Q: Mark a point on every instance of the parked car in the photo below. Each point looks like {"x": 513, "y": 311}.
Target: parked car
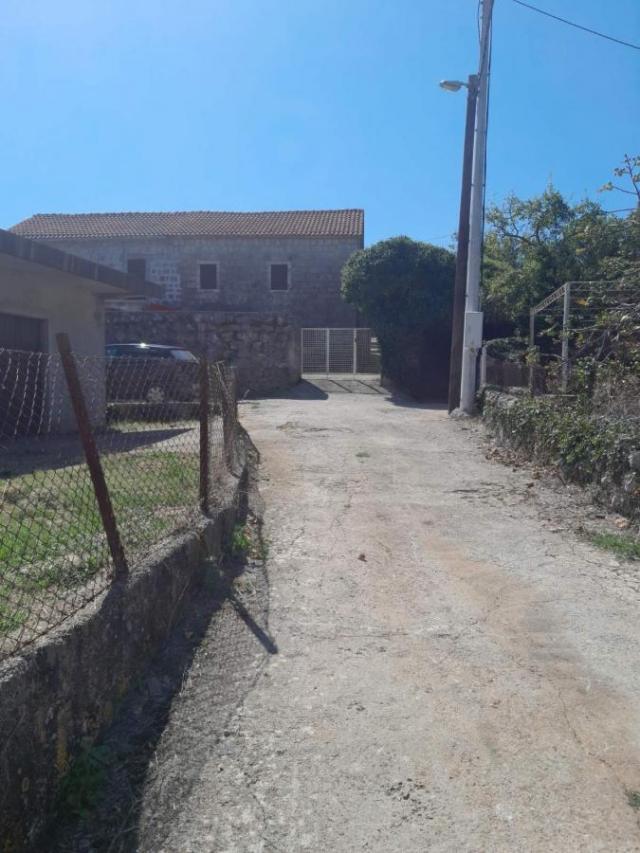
{"x": 154, "y": 373}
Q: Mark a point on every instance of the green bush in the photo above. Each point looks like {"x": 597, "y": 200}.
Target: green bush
{"x": 404, "y": 289}
{"x": 585, "y": 447}
{"x": 508, "y": 349}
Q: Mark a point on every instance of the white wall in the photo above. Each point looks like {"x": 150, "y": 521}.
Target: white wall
{"x": 66, "y": 307}
{"x": 70, "y": 308}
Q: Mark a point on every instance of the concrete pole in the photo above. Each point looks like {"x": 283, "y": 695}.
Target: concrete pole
{"x": 473, "y": 315}
{"x": 460, "y": 285}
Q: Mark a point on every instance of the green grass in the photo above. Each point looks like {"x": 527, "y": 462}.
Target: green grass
{"x": 50, "y": 529}
{"x": 624, "y": 546}
{"x": 246, "y": 540}
{"x": 240, "y": 541}
{"x": 84, "y": 781}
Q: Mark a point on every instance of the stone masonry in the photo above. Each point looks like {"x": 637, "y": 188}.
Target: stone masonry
{"x": 314, "y": 245}
{"x": 263, "y": 348}
{"x": 313, "y": 298}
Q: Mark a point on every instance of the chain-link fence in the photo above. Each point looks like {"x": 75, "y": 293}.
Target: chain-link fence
{"x": 101, "y": 461}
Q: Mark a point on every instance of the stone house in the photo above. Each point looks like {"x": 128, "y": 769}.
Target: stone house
{"x": 284, "y": 263}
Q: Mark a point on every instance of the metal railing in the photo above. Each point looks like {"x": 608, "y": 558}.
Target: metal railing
{"x": 101, "y": 461}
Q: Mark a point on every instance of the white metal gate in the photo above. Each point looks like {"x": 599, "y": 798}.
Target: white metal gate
{"x": 340, "y": 351}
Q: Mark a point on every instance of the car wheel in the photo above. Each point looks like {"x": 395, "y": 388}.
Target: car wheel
{"x": 156, "y": 394}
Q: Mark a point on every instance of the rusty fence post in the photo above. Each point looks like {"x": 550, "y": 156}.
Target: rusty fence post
{"x": 227, "y": 378}
{"x": 92, "y": 456}
{"x": 204, "y": 435}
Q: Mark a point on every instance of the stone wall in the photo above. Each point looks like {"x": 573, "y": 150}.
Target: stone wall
{"x": 599, "y": 453}
{"x": 263, "y": 349}
{"x": 315, "y": 264}
{"x": 58, "y": 696}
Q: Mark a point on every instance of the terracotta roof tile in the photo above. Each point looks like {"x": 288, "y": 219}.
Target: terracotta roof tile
{"x": 205, "y": 223}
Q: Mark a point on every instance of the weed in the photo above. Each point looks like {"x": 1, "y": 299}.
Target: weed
{"x": 633, "y": 798}
{"x": 81, "y": 787}
{"x": 247, "y": 542}
{"x": 240, "y": 541}
{"x": 627, "y": 547}
{"x": 10, "y": 619}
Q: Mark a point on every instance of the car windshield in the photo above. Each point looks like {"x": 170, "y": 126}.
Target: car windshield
{"x": 183, "y": 355}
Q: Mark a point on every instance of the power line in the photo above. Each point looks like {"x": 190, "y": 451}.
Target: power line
{"x": 577, "y": 26}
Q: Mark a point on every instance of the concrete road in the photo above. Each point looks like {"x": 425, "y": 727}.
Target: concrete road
{"x": 454, "y": 671}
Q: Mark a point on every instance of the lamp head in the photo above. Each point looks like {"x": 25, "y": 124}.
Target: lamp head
{"x": 452, "y": 85}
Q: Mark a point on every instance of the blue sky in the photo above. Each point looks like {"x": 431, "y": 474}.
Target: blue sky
{"x": 255, "y": 105}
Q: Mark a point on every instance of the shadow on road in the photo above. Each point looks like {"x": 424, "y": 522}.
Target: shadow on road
{"x": 406, "y": 402}
{"x": 322, "y": 387}
{"x": 303, "y": 390}
{"x": 219, "y": 649}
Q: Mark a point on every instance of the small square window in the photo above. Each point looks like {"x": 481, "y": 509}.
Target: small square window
{"x": 279, "y": 276}
{"x": 137, "y": 267}
{"x": 208, "y": 276}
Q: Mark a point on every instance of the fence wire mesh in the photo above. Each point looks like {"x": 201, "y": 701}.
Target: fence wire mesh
{"x": 146, "y": 420}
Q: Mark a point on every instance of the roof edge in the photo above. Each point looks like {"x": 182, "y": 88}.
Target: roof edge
{"x": 79, "y": 238}
{"x": 36, "y": 252}
{"x": 307, "y": 223}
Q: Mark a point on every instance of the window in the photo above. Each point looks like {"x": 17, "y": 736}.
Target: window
{"x": 137, "y": 267}
{"x": 208, "y": 276}
{"x": 279, "y": 276}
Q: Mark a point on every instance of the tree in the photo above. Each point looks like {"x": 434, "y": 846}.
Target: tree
{"x": 404, "y": 289}
{"x": 630, "y": 170}
{"x": 625, "y": 263}
{"x": 535, "y": 245}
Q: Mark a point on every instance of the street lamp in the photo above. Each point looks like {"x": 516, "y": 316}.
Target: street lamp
{"x": 453, "y": 85}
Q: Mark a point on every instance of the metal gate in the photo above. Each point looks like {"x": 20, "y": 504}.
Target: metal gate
{"x": 340, "y": 352}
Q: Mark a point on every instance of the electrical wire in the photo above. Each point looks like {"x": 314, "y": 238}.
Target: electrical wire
{"x": 577, "y": 26}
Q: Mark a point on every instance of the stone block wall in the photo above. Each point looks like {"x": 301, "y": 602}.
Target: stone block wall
{"x": 315, "y": 264}
{"x": 263, "y": 348}
{"x": 599, "y": 453}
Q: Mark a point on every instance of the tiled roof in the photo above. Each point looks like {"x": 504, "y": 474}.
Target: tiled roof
{"x": 294, "y": 223}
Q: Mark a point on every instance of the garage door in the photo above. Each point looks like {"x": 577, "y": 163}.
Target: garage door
{"x": 25, "y": 333}
{"x": 22, "y": 375}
